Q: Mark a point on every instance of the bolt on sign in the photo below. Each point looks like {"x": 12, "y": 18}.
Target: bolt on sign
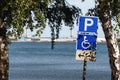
{"x": 86, "y": 40}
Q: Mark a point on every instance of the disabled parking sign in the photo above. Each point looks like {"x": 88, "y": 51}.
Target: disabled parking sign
{"x": 86, "y": 41}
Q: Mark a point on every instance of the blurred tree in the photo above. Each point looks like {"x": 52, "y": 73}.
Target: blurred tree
{"x": 16, "y": 15}
{"x": 109, "y": 11}
{"x": 61, "y": 12}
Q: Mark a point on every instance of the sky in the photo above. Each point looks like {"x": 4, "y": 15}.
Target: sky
{"x": 65, "y": 32}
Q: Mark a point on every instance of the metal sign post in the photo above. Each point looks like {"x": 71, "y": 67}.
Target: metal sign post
{"x": 86, "y": 41}
{"x": 84, "y": 69}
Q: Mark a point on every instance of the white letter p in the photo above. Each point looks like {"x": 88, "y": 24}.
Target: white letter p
{"x": 88, "y": 23}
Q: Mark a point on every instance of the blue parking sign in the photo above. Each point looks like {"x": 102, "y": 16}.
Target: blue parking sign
{"x": 88, "y": 24}
{"x": 86, "y": 42}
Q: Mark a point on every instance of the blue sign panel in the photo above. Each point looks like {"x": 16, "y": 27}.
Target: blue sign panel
{"x": 88, "y": 24}
{"x": 86, "y": 42}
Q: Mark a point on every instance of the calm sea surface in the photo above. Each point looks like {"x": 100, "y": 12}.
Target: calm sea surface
{"x": 36, "y": 61}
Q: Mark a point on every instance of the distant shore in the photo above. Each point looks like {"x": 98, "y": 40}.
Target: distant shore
{"x": 57, "y": 40}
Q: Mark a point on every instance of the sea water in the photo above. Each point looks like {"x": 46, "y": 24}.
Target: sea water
{"x": 37, "y": 61}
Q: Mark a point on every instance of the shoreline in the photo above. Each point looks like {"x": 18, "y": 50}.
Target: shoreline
{"x": 56, "y": 40}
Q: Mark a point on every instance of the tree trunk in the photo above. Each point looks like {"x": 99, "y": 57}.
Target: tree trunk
{"x": 4, "y": 61}
{"x": 111, "y": 40}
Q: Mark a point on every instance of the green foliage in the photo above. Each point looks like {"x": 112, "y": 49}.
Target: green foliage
{"x": 118, "y": 41}
{"x": 58, "y": 13}
{"x": 115, "y": 9}
{"x": 23, "y": 13}
{"x": 61, "y": 11}
{"x": 33, "y": 14}
{"x": 118, "y": 18}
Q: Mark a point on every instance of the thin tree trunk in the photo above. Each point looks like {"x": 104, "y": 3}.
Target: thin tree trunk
{"x": 111, "y": 40}
{"x": 4, "y": 61}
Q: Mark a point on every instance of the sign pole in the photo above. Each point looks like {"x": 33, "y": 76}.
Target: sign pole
{"x": 84, "y": 69}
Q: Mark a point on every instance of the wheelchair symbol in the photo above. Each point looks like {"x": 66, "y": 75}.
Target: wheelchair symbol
{"x": 85, "y": 44}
